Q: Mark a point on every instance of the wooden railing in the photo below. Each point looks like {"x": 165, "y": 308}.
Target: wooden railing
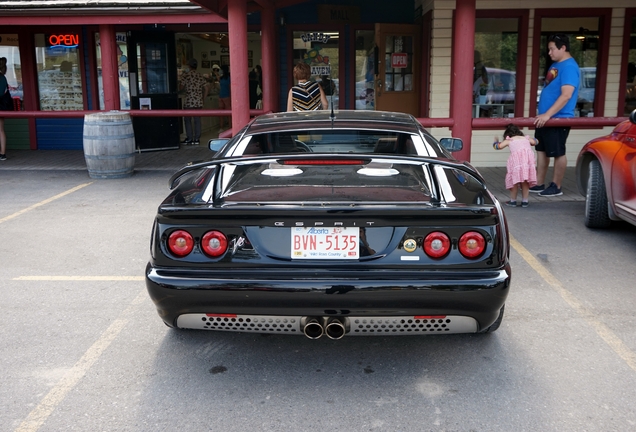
{"x": 501, "y": 123}
{"x": 133, "y": 113}
{"x": 477, "y": 123}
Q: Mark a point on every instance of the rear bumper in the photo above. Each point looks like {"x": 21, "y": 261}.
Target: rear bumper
{"x": 373, "y": 294}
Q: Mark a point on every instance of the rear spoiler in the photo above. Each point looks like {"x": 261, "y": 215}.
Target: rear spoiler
{"x": 307, "y": 158}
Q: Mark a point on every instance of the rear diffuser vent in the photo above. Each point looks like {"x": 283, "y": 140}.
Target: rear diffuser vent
{"x": 252, "y": 324}
{"x": 396, "y": 325}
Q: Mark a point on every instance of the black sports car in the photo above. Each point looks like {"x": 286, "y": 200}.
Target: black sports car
{"x": 344, "y": 223}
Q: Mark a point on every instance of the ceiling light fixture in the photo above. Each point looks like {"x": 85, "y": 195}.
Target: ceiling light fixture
{"x": 581, "y": 34}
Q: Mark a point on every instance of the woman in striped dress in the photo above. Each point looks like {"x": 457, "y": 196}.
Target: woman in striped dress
{"x": 306, "y": 95}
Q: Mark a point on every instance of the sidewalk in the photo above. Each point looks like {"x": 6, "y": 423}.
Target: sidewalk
{"x": 172, "y": 160}
{"x": 70, "y": 160}
{"x": 495, "y": 179}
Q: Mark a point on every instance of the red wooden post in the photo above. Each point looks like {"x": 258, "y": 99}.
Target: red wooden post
{"x": 110, "y": 74}
{"x": 237, "y": 32}
{"x": 462, "y": 74}
{"x": 270, "y": 68}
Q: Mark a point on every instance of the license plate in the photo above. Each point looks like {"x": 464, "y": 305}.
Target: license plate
{"x": 325, "y": 243}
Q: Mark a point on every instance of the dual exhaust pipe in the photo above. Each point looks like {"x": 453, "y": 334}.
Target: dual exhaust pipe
{"x": 315, "y": 327}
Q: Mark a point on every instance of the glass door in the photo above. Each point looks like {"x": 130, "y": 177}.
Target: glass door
{"x": 320, "y": 50}
{"x": 153, "y": 86}
{"x": 398, "y": 61}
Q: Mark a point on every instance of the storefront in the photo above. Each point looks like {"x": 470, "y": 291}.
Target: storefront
{"x": 460, "y": 68}
{"x": 63, "y": 67}
{"x": 346, "y": 61}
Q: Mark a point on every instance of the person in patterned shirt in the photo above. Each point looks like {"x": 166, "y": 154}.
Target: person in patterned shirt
{"x": 196, "y": 89}
{"x": 306, "y": 95}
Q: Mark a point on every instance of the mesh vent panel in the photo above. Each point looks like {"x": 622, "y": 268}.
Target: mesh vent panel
{"x": 400, "y": 325}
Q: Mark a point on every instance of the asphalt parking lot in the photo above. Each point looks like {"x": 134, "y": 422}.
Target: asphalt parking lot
{"x": 82, "y": 347}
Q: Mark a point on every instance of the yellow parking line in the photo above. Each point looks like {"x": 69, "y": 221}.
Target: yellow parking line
{"x": 79, "y": 278}
{"x": 56, "y": 395}
{"x": 46, "y": 201}
{"x": 615, "y": 343}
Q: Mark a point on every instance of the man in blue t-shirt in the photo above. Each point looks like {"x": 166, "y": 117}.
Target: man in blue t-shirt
{"x": 558, "y": 100}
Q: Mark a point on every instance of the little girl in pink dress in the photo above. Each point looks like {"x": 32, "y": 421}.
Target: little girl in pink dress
{"x": 521, "y": 165}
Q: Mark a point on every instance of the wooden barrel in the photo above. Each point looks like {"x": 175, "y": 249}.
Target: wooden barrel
{"x": 109, "y": 145}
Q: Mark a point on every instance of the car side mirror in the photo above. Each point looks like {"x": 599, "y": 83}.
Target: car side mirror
{"x": 452, "y": 144}
{"x": 215, "y": 144}
{"x": 632, "y": 117}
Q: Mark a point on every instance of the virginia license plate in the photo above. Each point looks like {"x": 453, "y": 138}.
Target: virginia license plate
{"x": 325, "y": 243}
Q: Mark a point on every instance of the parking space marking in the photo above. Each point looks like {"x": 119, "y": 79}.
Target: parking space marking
{"x": 80, "y": 278}
{"x": 41, "y": 203}
{"x": 615, "y": 343}
{"x": 56, "y": 395}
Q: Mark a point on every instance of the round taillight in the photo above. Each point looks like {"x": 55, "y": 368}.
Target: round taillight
{"x": 180, "y": 243}
{"x": 472, "y": 244}
{"x": 436, "y": 244}
{"x": 214, "y": 243}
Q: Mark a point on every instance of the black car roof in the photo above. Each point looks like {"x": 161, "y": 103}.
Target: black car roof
{"x": 342, "y": 119}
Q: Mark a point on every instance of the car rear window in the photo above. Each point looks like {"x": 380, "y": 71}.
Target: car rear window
{"x": 377, "y": 181}
{"x": 331, "y": 141}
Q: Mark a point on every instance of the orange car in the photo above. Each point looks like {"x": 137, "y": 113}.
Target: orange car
{"x": 606, "y": 176}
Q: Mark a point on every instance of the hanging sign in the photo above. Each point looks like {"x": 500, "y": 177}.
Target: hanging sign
{"x": 399, "y": 60}
{"x": 315, "y": 37}
{"x": 62, "y": 41}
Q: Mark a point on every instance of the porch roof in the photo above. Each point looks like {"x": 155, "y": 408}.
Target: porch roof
{"x": 131, "y": 7}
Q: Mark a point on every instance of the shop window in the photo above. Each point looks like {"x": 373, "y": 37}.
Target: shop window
{"x": 584, "y": 49}
{"x": 122, "y": 70}
{"x": 365, "y": 73}
{"x": 58, "y": 68}
{"x": 320, "y": 50}
{"x": 9, "y": 50}
{"x": 630, "y": 85}
{"x": 495, "y": 67}
{"x": 587, "y": 41}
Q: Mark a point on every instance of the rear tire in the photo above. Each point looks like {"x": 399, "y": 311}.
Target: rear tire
{"x": 494, "y": 326}
{"x": 596, "y": 211}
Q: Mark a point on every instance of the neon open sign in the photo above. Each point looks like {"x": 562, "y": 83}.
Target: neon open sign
{"x": 63, "y": 40}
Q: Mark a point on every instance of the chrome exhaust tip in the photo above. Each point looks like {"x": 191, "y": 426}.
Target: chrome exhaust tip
{"x": 335, "y": 328}
{"x": 312, "y": 327}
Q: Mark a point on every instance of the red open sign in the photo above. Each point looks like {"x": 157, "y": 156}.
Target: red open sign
{"x": 66, "y": 40}
{"x": 399, "y": 60}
